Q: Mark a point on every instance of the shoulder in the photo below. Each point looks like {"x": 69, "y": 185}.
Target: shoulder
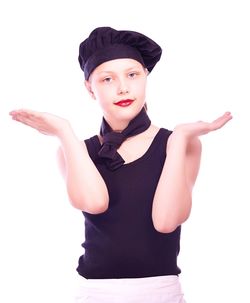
{"x": 92, "y": 138}
{"x": 152, "y": 131}
{"x": 155, "y": 130}
{"x": 160, "y": 135}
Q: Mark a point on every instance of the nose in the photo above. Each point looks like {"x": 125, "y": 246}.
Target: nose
{"x": 123, "y": 91}
{"x": 123, "y": 88}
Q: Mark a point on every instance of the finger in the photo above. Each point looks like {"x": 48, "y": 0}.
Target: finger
{"x": 226, "y": 117}
{"x": 24, "y": 113}
{"x": 221, "y": 121}
{"x": 23, "y": 120}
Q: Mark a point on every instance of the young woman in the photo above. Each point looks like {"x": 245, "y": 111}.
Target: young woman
{"x": 133, "y": 182}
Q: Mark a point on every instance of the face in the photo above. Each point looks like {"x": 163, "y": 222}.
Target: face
{"x": 120, "y": 87}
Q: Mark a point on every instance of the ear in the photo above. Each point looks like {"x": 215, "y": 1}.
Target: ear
{"x": 89, "y": 89}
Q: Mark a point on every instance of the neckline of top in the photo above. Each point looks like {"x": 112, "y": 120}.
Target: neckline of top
{"x": 98, "y": 145}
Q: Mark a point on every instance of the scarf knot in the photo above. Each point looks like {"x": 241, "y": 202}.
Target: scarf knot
{"x": 112, "y": 140}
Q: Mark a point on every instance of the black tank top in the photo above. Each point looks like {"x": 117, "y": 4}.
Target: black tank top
{"x": 122, "y": 242}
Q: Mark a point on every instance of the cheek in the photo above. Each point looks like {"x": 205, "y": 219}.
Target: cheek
{"x": 103, "y": 94}
{"x": 140, "y": 89}
{"x": 105, "y": 97}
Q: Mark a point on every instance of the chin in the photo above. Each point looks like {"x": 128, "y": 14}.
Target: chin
{"x": 129, "y": 113}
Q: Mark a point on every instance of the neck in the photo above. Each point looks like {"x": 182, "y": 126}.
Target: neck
{"x": 117, "y": 125}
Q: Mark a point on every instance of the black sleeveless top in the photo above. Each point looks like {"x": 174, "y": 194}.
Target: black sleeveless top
{"x": 122, "y": 242}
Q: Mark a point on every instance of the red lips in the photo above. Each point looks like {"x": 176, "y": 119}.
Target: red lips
{"x": 124, "y": 103}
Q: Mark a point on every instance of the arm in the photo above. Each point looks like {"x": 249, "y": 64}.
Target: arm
{"x": 173, "y": 197}
{"x": 85, "y": 186}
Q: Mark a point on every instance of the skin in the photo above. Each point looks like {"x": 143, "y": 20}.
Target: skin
{"x": 109, "y": 83}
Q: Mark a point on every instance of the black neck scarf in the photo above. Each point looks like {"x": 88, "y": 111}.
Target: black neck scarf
{"x": 112, "y": 140}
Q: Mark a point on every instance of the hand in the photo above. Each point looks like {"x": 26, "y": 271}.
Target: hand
{"x": 190, "y": 130}
{"x": 45, "y": 123}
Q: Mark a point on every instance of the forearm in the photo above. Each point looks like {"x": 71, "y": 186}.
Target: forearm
{"x": 86, "y": 188}
{"x": 173, "y": 196}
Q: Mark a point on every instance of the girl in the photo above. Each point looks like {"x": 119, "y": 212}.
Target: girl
{"x": 133, "y": 182}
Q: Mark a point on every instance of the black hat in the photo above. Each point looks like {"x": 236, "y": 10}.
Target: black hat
{"x": 106, "y": 43}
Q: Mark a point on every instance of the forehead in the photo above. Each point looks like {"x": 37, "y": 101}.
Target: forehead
{"x": 117, "y": 65}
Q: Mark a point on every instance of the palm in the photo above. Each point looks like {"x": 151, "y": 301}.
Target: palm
{"x": 45, "y": 123}
{"x": 201, "y": 128}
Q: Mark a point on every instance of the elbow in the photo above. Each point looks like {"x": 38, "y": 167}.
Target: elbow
{"x": 96, "y": 208}
{"x": 166, "y": 227}
{"x": 89, "y": 201}
{"x": 93, "y": 208}
{"x": 168, "y": 224}
{"x": 168, "y": 219}
{"x": 90, "y": 206}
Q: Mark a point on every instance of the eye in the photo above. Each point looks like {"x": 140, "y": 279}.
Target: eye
{"x": 132, "y": 75}
{"x": 107, "y": 79}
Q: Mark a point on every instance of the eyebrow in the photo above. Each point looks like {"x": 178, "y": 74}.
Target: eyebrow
{"x": 126, "y": 70}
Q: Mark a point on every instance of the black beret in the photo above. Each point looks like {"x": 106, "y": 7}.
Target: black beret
{"x": 106, "y": 43}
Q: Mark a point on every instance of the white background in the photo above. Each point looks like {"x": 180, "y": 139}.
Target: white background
{"x": 204, "y": 71}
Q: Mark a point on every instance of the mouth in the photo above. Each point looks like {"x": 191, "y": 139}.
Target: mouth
{"x": 124, "y": 103}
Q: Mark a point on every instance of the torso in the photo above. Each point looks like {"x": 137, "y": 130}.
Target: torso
{"x": 122, "y": 241}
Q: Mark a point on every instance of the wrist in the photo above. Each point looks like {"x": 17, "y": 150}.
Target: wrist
{"x": 180, "y": 136}
{"x": 65, "y": 132}
{"x": 185, "y": 132}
